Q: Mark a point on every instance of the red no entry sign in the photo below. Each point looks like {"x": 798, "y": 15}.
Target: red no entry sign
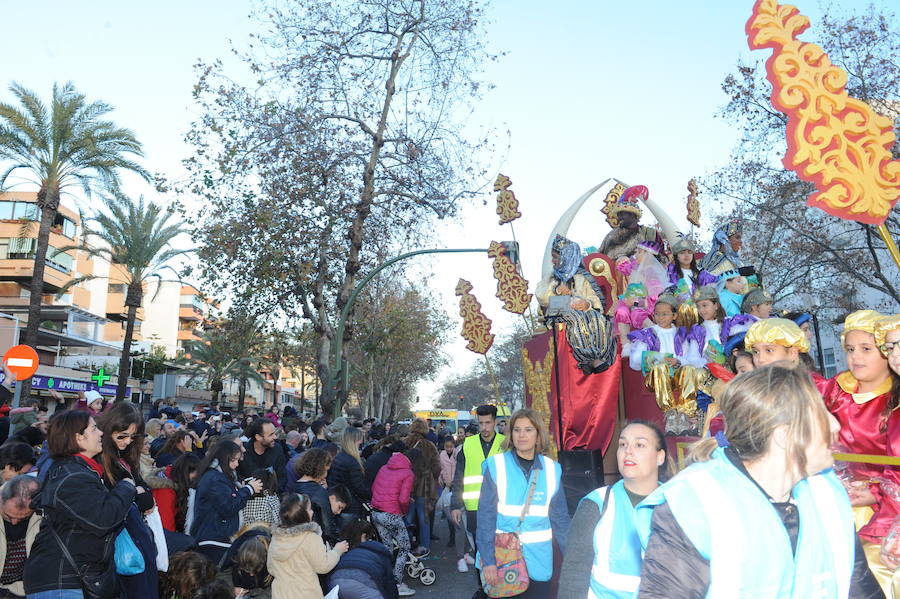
{"x": 22, "y": 361}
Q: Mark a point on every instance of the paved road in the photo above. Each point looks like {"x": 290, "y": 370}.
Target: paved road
{"x": 450, "y": 584}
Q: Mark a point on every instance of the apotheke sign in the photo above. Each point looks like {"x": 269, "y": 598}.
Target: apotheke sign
{"x": 72, "y": 385}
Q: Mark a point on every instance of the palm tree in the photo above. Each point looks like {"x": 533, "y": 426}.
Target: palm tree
{"x": 208, "y": 357}
{"x": 136, "y": 237}
{"x": 243, "y": 370}
{"x": 55, "y": 148}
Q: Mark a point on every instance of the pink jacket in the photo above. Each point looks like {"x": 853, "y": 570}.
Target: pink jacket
{"x": 393, "y": 486}
{"x": 448, "y": 467}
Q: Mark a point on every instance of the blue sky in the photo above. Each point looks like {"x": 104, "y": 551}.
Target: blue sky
{"x": 587, "y": 90}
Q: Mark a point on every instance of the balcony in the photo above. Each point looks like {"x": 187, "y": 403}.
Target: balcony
{"x": 189, "y": 313}
{"x": 189, "y": 334}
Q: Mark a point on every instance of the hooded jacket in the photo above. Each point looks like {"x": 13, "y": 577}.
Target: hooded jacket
{"x": 374, "y": 559}
{"x": 393, "y": 486}
{"x": 217, "y": 507}
{"x": 297, "y": 555}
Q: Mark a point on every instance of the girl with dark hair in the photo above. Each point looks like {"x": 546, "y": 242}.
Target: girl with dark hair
{"x": 423, "y": 501}
{"x": 179, "y": 443}
{"x": 603, "y": 557}
{"x": 220, "y": 499}
{"x": 123, "y": 437}
{"x": 297, "y": 554}
{"x": 15, "y": 459}
{"x": 366, "y": 570}
{"x": 176, "y": 502}
{"x": 264, "y": 505}
{"x": 188, "y": 572}
{"x": 247, "y": 557}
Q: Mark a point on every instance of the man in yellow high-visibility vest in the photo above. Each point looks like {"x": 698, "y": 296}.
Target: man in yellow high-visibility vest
{"x": 467, "y": 477}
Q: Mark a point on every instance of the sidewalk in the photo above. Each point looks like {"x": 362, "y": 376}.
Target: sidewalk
{"x": 449, "y": 584}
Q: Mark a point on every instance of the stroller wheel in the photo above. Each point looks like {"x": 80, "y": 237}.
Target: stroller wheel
{"x": 414, "y": 569}
{"x": 427, "y": 577}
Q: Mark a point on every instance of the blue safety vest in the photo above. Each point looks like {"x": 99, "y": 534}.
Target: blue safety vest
{"x": 616, "y": 573}
{"x": 535, "y": 535}
{"x": 733, "y": 525}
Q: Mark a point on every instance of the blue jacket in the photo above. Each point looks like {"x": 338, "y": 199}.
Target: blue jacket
{"x": 557, "y": 512}
{"x": 217, "y": 507}
{"x": 374, "y": 559}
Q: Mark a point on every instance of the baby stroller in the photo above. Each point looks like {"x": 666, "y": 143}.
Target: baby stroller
{"x": 414, "y": 566}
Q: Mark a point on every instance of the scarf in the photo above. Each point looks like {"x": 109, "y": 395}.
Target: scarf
{"x": 91, "y": 463}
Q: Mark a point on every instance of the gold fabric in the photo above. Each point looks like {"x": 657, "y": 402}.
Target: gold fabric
{"x": 885, "y": 326}
{"x": 848, "y": 383}
{"x": 689, "y": 380}
{"x": 660, "y": 380}
{"x": 861, "y": 320}
{"x": 888, "y": 579}
{"x": 779, "y": 331}
{"x": 687, "y": 315}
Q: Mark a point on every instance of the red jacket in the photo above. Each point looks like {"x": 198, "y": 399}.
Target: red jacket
{"x": 393, "y": 486}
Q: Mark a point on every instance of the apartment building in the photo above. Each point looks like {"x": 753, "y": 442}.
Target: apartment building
{"x": 82, "y": 329}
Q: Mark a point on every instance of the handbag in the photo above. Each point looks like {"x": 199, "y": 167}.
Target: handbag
{"x": 129, "y": 560}
{"x": 95, "y": 586}
{"x": 511, "y": 566}
{"x": 154, "y": 523}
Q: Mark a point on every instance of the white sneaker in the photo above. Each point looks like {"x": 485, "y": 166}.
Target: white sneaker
{"x": 470, "y": 560}
{"x": 404, "y": 591}
{"x": 461, "y": 565}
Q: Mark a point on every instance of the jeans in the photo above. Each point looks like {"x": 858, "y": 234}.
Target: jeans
{"x": 418, "y": 516}
{"x": 58, "y": 594}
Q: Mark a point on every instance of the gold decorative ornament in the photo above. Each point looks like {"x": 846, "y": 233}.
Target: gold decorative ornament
{"x": 537, "y": 382}
{"x": 834, "y": 141}
{"x": 693, "y": 204}
{"x": 476, "y": 326}
{"x": 507, "y": 204}
{"x": 611, "y": 198}
{"x": 511, "y": 287}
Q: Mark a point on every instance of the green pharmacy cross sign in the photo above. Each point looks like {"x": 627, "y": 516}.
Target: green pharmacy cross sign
{"x": 101, "y": 378}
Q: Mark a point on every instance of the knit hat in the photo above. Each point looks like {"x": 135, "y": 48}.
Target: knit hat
{"x": 861, "y": 320}
{"x": 779, "y": 331}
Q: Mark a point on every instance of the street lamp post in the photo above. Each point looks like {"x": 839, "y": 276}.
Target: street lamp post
{"x": 340, "y": 376}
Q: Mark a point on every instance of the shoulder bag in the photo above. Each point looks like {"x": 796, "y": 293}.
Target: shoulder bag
{"x": 95, "y": 586}
{"x": 508, "y": 555}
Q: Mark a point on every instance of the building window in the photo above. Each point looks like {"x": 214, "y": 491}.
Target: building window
{"x": 829, "y": 368}
{"x": 25, "y": 211}
{"x": 64, "y": 225}
{"x": 116, "y": 288}
{"x": 59, "y": 260}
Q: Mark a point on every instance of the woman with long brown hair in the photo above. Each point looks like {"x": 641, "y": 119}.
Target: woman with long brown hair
{"x": 763, "y": 517}
{"x": 522, "y": 480}
{"x": 122, "y": 426}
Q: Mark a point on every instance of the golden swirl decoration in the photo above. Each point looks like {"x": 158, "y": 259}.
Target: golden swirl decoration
{"x": 836, "y": 142}
{"x": 511, "y": 287}
{"x": 611, "y": 198}
{"x": 537, "y": 382}
{"x": 507, "y": 204}
{"x": 693, "y": 204}
{"x": 476, "y": 326}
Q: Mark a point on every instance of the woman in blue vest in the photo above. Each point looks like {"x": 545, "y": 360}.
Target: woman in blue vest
{"x": 603, "y": 557}
{"x": 765, "y": 516}
{"x": 504, "y": 492}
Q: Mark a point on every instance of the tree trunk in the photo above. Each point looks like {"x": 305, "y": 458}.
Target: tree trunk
{"x": 132, "y": 301}
{"x": 242, "y": 394}
{"x": 48, "y": 202}
{"x": 216, "y": 388}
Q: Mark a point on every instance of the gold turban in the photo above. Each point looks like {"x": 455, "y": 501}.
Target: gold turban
{"x": 861, "y": 320}
{"x": 779, "y": 331}
{"x": 885, "y": 326}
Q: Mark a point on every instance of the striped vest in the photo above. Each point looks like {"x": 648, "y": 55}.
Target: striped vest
{"x": 472, "y": 474}
{"x": 733, "y": 525}
{"x": 616, "y": 573}
{"x": 536, "y": 535}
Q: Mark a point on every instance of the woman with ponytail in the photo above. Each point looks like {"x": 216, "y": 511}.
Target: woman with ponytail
{"x": 603, "y": 557}
{"x": 765, "y": 516}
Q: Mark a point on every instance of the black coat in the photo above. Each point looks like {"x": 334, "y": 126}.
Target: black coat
{"x": 86, "y": 515}
{"x": 346, "y": 471}
{"x": 273, "y": 458}
{"x": 375, "y": 462}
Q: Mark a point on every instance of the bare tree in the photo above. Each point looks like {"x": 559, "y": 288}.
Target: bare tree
{"x": 804, "y": 254}
{"x": 352, "y": 134}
